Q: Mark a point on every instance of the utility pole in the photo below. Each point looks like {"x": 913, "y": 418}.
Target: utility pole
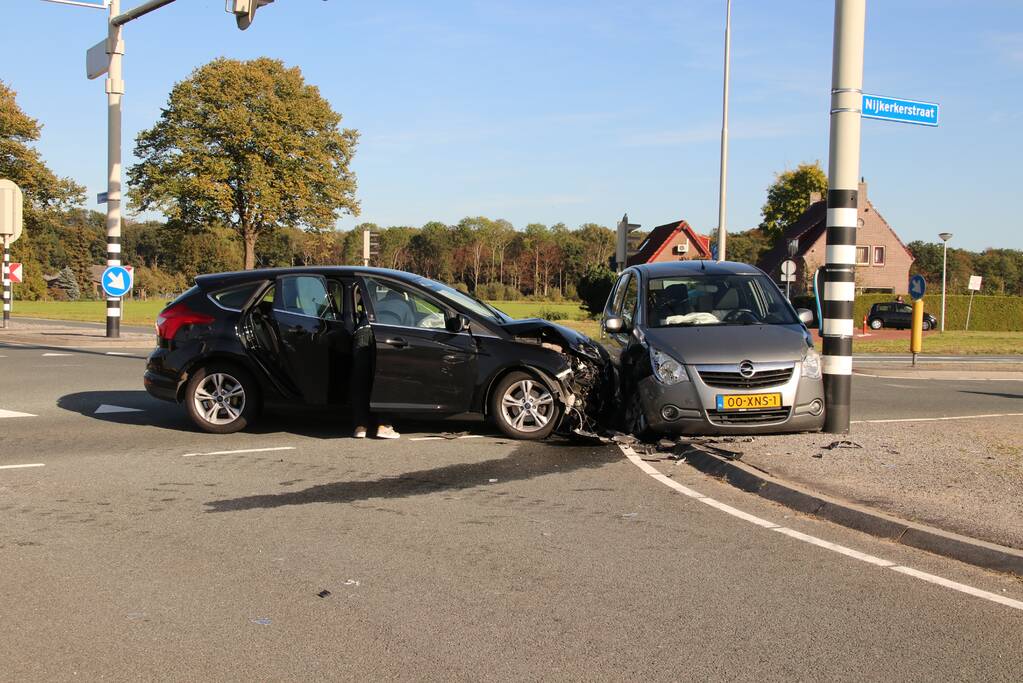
{"x": 945, "y": 237}
{"x": 843, "y": 177}
{"x": 723, "y": 183}
{"x": 115, "y": 93}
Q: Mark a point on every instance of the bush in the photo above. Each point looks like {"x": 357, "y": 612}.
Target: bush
{"x": 594, "y": 287}
{"x": 550, "y": 313}
{"x": 990, "y": 313}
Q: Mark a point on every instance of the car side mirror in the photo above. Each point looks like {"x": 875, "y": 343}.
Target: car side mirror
{"x": 455, "y": 323}
{"x": 805, "y": 315}
{"x": 614, "y": 324}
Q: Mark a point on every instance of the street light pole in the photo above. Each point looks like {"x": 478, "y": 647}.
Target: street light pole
{"x": 843, "y": 211}
{"x": 115, "y": 93}
{"x": 945, "y": 237}
{"x": 723, "y": 184}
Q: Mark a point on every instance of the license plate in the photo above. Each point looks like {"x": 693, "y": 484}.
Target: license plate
{"x": 748, "y": 401}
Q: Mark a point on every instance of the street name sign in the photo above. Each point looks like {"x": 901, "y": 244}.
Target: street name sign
{"x": 116, "y": 281}
{"x": 899, "y": 110}
{"x": 917, "y": 287}
{"x": 15, "y": 274}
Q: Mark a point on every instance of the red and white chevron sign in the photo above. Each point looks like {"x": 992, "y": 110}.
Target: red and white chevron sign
{"x": 15, "y": 273}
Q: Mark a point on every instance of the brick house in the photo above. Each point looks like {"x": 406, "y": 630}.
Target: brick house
{"x": 676, "y": 241}
{"x": 882, "y": 260}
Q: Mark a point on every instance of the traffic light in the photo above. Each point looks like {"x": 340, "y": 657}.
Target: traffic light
{"x": 626, "y": 245}
{"x": 244, "y": 11}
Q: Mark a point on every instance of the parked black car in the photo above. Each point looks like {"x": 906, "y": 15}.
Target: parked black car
{"x": 897, "y": 315}
{"x": 237, "y": 341}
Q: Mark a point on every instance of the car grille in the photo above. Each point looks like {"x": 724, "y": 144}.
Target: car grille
{"x": 748, "y": 417}
{"x": 733, "y": 380}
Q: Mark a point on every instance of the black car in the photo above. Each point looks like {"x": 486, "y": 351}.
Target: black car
{"x": 237, "y": 341}
{"x": 897, "y": 315}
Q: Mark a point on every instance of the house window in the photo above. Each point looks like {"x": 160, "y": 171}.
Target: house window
{"x": 862, "y": 256}
{"x": 878, "y": 256}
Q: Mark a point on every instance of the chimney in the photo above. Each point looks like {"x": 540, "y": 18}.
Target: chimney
{"x": 814, "y": 198}
{"x": 861, "y": 194}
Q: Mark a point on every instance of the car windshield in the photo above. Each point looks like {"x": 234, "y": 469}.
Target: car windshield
{"x": 716, "y": 300}
{"x": 453, "y": 296}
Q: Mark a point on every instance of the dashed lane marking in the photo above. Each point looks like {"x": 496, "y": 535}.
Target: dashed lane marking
{"x": 654, "y": 473}
{"x": 444, "y": 438}
{"x": 935, "y": 419}
{"x": 51, "y": 355}
{"x": 14, "y": 413}
{"x": 19, "y": 467}
{"x": 242, "y": 450}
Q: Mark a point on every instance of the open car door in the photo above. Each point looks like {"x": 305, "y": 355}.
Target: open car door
{"x": 304, "y": 316}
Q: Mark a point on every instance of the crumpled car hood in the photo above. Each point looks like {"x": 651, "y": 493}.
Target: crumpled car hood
{"x": 729, "y": 344}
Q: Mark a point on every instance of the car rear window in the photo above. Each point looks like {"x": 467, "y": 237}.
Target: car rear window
{"x": 235, "y": 298}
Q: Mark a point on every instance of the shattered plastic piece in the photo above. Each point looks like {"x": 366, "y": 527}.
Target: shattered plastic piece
{"x": 492, "y": 481}
{"x": 351, "y": 582}
{"x": 262, "y": 621}
{"x": 324, "y": 593}
{"x": 844, "y": 443}
{"x": 452, "y": 435}
{"x": 818, "y": 455}
{"x": 630, "y": 514}
{"x": 665, "y": 445}
{"x": 627, "y": 439}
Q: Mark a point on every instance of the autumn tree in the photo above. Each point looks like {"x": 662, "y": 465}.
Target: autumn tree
{"x": 246, "y": 145}
{"x": 789, "y": 196}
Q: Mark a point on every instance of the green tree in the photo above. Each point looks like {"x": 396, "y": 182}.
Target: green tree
{"x": 595, "y": 286}
{"x": 789, "y": 196}
{"x": 247, "y": 145}
{"x": 747, "y": 246}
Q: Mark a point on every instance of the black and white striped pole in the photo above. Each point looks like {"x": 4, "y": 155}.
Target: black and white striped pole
{"x": 11, "y": 223}
{"x": 843, "y": 183}
{"x": 7, "y": 283}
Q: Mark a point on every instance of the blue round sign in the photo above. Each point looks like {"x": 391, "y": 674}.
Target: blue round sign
{"x": 116, "y": 281}
{"x": 917, "y": 287}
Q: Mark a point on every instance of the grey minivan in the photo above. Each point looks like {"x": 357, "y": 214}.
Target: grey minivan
{"x": 707, "y": 347}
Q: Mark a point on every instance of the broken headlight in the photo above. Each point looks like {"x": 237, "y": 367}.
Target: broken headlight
{"x": 666, "y": 369}
{"x": 812, "y": 364}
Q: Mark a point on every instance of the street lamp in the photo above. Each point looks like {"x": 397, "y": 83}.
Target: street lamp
{"x": 945, "y": 237}
{"x": 723, "y": 182}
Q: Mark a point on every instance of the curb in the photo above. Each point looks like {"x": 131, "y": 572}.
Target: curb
{"x": 85, "y": 344}
{"x": 922, "y": 537}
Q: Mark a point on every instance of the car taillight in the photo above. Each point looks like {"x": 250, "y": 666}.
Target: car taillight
{"x": 174, "y": 318}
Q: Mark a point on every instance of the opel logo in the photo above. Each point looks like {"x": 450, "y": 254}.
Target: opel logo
{"x": 746, "y": 369}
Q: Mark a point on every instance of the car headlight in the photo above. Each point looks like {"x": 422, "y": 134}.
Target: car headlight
{"x": 812, "y": 364}
{"x": 666, "y": 369}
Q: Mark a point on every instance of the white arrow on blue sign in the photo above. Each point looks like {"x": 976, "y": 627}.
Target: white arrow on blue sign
{"x": 899, "y": 110}
{"x": 116, "y": 281}
{"x": 917, "y": 287}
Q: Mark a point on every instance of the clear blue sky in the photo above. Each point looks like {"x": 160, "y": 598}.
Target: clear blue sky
{"x": 578, "y": 111}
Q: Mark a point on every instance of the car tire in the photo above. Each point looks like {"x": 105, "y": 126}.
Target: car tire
{"x": 519, "y": 417}
{"x": 222, "y": 399}
{"x": 876, "y": 324}
{"x": 926, "y": 325}
{"x": 635, "y": 418}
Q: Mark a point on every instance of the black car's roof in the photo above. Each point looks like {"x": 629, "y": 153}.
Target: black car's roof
{"x": 212, "y": 280}
{"x": 695, "y": 267}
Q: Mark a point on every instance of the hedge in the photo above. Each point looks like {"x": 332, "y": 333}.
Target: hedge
{"x": 990, "y": 313}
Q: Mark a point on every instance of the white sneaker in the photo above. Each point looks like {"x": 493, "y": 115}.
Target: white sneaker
{"x": 359, "y": 433}
{"x": 386, "y": 432}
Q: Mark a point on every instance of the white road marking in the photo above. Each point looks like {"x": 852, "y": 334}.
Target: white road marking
{"x": 242, "y": 450}
{"x": 444, "y": 438}
{"x": 819, "y": 542}
{"x": 901, "y": 386}
{"x": 107, "y": 408}
{"x": 117, "y": 353}
{"x": 858, "y": 373}
{"x": 18, "y": 467}
{"x": 14, "y": 413}
{"x": 50, "y": 355}
{"x": 935, "y": 419}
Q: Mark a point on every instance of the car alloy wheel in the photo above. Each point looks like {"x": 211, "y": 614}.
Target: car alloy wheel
{"x": 221, "y": 399}
{"x": 524, "y": 407}
{"x": 926, "y": 325}
{"x": 875, "y": 324}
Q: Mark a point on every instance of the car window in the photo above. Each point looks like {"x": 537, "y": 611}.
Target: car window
{"x": 337, "y": 297}
{"x": 630, "y": 301}
{"x": 236, "y": 297}
{"x": 396, "y": 305}
{"x": 904, "y": 308}
{"x": 746, "y": 299}
{"x": 304, "y": 295}
{"x": 619, "y": 294}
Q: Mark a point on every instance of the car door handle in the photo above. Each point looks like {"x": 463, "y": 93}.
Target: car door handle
{"x": 396, "y": 342}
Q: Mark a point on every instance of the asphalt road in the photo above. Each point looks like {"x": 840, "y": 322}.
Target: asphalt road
{"x": 136, "y": 552}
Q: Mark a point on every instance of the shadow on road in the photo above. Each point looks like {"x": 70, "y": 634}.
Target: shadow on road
{"x": 527, "y": 461}
{"x": 316, "y": 423}
{"x": 992, "y": 393}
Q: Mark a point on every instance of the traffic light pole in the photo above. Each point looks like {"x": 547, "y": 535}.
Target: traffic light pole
{"x": 115, "y": 93}
{"x": 843, "y": 175}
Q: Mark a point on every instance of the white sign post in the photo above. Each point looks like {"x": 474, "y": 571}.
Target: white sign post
{"x": 974, "y": 287}
{"x": 11, "y": 205}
